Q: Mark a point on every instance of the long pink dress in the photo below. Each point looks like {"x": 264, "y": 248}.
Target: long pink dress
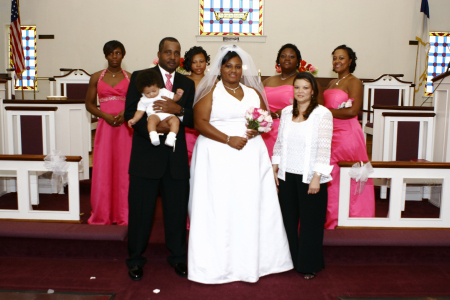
{"x": 278, "y": 97}
{"x": 191, "y": 137}
{"x": 112, "y": 150}
{"x": 348, "y": 144}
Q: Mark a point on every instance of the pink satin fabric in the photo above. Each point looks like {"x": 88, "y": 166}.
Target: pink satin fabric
{"x": 348, "y": 144}
{"x": 112, "y": 150}
{"x": 191, "y": 138}
{"x": 278, "y": 98}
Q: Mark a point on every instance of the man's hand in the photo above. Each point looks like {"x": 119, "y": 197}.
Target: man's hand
{"x": 163, "y": 126}
{"x": 169, "y": 106}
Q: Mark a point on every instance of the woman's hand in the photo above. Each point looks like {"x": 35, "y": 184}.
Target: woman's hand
{"x": 276, "y": 114}
{"x": 237, "y": 142}
{"x": 251, "y": 133}
{"x": 111, "y": 120}
{"x": 275, "y": 175}
{"x": 119, "y": 118}
{"x": 314, "y": 185}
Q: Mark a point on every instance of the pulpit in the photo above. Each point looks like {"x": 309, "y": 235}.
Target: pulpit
{"x": 441, "y": 85}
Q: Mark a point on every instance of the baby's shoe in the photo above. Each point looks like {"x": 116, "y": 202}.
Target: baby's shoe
{"x": 170, "y": 140}
{"x": 154, "y": 137}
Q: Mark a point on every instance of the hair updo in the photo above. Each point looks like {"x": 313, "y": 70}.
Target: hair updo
{"x": 187, "y": 64}
{"x": 351, "y": 55}
{"x": 290, "y": 46}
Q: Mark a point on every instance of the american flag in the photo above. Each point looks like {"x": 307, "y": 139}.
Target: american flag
{"x": 16, "y": 39}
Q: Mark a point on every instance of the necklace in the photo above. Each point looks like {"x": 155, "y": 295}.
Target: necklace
{"x": 337, "y": 83}
{"x": 113, "y": 74}
{"x": 234, "y": 90}
{"x": 281, "y": 77}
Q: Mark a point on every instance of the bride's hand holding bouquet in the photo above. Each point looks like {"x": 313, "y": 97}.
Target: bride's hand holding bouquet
{"x": 258, "y": 121}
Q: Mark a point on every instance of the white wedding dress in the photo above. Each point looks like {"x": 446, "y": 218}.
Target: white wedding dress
{"x": 236, "y": 227}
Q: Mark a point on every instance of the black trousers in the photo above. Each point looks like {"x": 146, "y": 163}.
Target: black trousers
{"x": 311, "y": 209}
{"x": 142, "y": 196}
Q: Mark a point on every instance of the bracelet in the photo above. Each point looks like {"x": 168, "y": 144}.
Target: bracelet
{"x": 278, "y": 116}
{"x": 228, "y": 139}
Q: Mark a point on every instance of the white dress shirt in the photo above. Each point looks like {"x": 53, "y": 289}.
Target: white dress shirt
{"x": 164, "y": 72}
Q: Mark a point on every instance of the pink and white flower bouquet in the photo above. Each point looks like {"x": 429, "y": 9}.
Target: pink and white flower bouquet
{"x": 346, "y": 104}
{"x": 258, "y": 119}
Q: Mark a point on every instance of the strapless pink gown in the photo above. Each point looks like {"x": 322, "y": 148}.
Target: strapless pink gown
{"x": 348, "y": 144}
{"x": 191, "y": 137}
{"x": 278, "y": 97}
{"x": 112, "y": 150}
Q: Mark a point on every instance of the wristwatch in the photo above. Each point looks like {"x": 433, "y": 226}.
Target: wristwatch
{"x": 181, "y": 112}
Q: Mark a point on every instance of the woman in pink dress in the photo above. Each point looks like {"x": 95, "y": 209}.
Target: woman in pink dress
{"x": 348, "y": 142}
{"x": 195, "y": 61}
{"x": 112, "y": 146}
{"x": 280, "y": 90}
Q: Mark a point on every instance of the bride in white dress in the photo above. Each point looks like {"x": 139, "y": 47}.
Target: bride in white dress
{"x": 236, "y": 229}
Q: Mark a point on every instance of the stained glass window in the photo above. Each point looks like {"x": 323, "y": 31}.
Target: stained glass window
{"x": 29, "y": 51}
{"x": 231, "y": 17}
{"x": 438, "y": 57}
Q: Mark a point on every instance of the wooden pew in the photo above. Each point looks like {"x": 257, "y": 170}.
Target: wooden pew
{"x": 20, "y": 166}
{"x": 397, "y": 172}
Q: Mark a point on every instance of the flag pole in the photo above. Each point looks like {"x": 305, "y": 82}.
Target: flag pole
{"x": 21, "y": 85}
{"x": 415, "y": 74}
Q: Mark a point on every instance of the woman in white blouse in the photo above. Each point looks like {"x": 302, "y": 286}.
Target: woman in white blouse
{"x": 301, "y": 166}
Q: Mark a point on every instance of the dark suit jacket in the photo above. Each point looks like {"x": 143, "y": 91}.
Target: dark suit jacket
{"x": 151, "y": 161}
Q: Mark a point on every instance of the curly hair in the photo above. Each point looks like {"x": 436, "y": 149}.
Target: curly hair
{"x": 290, "y": 46}
{"x": 351, "y": 55}
{"x": 313, "y": 104}
{"x": 190, "y": 54}
{"x": 111, "y": 46}
{"x": 148, "y": 78}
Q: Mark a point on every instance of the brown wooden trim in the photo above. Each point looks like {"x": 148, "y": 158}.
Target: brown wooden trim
{"x": 43, "y": 220}
{"x": 51, "y": 79}
{"x": 405, "y": 108}
{"x": 3, "y": 80}
{"x": 43, "y": 101}
{"x": 394, "y": 114}
{"x": 73, "y": 70}
{"x": 31, "y": 108}
{"x": 441, "y": 76}
{"x": 393, "y": 76}
{"x": 29, "y": 157}
{"x": 399, "y": 164}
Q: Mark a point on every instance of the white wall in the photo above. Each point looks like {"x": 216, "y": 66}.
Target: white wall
{"x": 378, "y": 30}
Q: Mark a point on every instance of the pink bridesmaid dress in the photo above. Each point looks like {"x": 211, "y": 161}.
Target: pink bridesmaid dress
{"x": 191, "y": 137}
{"x": 112, "y": 150}
{"x": 348, "y": 144}
{"x": 278, "y": 97}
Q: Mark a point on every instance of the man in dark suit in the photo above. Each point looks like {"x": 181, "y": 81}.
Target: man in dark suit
{"x": 160, "y": 167}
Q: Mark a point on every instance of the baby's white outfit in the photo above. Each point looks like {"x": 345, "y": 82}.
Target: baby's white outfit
{"x": 146, "y": 104}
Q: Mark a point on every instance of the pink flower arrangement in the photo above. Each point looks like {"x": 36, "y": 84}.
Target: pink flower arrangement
{"x": 180, "y": 68}
{"x": 258, "y": 119}
{"x": 304, "y": 67}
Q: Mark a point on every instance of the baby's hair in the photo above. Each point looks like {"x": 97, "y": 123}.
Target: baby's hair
{"x": 147, "y": 78}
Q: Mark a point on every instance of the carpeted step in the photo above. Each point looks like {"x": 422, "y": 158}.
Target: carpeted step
{"x": 63, "y": 231}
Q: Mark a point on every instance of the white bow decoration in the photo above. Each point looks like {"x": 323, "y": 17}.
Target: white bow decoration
{"x": 360, "y": 173}
{"x": 56, "y": 163}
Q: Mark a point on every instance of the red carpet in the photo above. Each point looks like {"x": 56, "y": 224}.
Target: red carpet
{"x": 359, "y": 263}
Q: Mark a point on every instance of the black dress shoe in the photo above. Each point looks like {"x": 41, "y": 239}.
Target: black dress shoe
{"x": 135, "y": 273}
{"x": 181, "y": 269}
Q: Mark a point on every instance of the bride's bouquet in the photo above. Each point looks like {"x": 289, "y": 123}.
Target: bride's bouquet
{"x": 258, "y": 119}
